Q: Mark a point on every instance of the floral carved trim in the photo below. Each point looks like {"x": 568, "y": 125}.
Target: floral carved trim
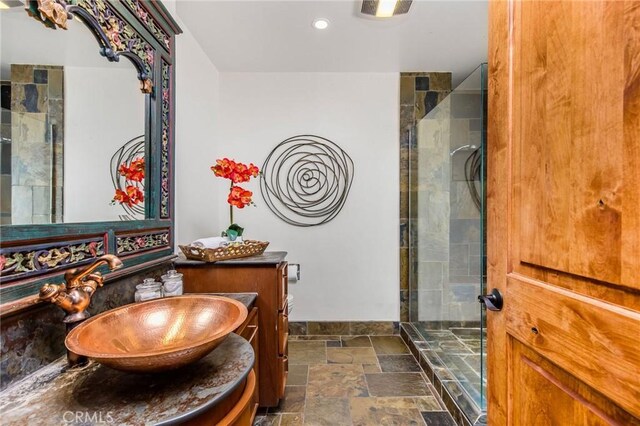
{"x": 138, "y": 8}
{"x": 135, "y": 243}
{"x": 27, "y": 261}
{"x": 115, "y": 35}
{"x": 51, "y": 12}
{"x": 166, "y": 138}
{"x": 123, "y": 39}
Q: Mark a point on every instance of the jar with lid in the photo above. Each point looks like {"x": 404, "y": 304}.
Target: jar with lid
{"x": 172, "y": 282}
{"x": 148, "y": 290}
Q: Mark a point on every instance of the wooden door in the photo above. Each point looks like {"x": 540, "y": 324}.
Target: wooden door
{"x": 564, "y": 212}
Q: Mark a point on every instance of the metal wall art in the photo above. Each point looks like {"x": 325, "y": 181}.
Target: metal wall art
{"x": 306, "y": 180}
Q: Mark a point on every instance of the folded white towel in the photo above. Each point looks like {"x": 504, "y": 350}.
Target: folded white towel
{"x": 211, "y": 242}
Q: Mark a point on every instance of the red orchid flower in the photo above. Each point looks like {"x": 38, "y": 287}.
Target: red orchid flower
{"x": 239, "y": 197}
{"x": 236, "y": 172}
{"x": 133, "y": 195}
{"x": 121, "y": 197}
{"x": 134, "y": 171}
{"x": 224, "y": 168}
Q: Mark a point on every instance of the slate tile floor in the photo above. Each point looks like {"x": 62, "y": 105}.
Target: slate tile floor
{"x": 355, "y": 381}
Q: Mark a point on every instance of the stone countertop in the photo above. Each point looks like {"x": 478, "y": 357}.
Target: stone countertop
{"x": 247, "y": 299}
{"x": 55, "y": 395}
{"x": 268, "y": 257}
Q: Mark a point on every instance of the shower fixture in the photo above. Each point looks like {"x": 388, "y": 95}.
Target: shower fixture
{"x": 463, "y": 148}
{"x": 472, "y": 174}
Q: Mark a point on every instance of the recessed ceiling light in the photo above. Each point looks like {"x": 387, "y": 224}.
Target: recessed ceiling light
{"x": 321, "y": 24}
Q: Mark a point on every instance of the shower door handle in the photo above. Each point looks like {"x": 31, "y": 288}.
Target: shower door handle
{"x": 493, "y": 301}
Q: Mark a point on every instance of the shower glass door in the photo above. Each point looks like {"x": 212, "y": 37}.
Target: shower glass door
{"x": 447, "y": 238}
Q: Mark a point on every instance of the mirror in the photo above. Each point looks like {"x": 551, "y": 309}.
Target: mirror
{"x": 72, "y": 127}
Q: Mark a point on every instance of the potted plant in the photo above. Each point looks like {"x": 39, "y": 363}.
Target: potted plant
{"x": 238, "y": 196}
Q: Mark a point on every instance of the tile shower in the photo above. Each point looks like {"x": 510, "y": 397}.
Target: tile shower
{"x": 32, "y": 128}
{"x": 446, "y": 244}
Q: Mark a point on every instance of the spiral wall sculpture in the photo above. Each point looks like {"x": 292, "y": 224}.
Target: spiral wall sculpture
{"x": 306, "y": 180}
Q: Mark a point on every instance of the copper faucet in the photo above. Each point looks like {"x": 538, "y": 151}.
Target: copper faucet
{"x": 74, "y": 297}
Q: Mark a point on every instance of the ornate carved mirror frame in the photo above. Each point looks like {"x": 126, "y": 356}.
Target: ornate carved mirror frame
{"x": 30, "y": 255}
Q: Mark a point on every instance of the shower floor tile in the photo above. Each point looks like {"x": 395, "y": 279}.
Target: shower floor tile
{"x": 455, "y": 354}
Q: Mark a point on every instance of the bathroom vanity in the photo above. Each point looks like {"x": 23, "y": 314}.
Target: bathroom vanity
{"x": 218, "y": 389}
{"x": 265, "y": 275}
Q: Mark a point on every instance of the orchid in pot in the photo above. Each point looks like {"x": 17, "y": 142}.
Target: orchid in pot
{"x": 238, "y": 196}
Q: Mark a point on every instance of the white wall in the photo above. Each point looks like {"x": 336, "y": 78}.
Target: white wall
{"x": 350, "y": 265}
{"x": 197, "y": 117}
{"x": 104, "y": 109}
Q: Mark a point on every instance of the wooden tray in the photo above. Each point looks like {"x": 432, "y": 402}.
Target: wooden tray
{"x": 232, "y": 251}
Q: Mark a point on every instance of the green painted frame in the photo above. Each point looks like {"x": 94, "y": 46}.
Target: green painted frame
{"x": 144, "y": 32}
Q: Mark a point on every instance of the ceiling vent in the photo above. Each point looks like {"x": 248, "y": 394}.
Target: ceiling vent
{"x": 385, "y": 8}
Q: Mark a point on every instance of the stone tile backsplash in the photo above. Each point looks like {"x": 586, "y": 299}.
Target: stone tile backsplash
{"x": 33, "y": 338}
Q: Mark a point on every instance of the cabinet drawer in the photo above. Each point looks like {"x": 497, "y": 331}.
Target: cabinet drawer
{"x": 283, "y": 367}
{"x": 283, "y": 288}
{"x": 248, "y": 328}
{"x": 283, "y": 331}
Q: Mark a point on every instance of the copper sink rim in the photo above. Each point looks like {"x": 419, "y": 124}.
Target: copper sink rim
{"x": 72, "y": 344}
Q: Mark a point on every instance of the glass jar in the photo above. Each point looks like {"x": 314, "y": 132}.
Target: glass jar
{"x": 148, "y": 290}
{"x": 172, "y": 282}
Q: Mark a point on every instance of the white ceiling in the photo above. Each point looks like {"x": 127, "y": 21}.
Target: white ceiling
{"x": 277, "y": 36}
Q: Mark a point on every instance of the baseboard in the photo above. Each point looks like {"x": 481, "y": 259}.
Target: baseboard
{"x": 342, "y": 328}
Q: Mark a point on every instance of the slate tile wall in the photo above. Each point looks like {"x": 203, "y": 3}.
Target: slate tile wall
{"x": 420, "y": 92}
{"x": 36, "y": 140}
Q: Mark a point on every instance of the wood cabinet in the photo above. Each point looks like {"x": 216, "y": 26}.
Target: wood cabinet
{"x": 237, "y": 409}
{"x": 266, "y": 276}
{"x": 249, "y": 331}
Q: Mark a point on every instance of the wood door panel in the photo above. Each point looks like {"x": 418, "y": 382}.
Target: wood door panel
{"x": 610, "y": 293}
{"x": 542, "y": 200}
{"x": 498, "y": 203}
{"x": 631, "y": 153}
{"x": 571, "y": 151}
{"x": 563, "y": 212}
{"x": 596, "y": 342}
{"x": 561, "y": 400}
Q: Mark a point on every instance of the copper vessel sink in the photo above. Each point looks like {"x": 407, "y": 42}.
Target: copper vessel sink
{"x": 157, "y": 335}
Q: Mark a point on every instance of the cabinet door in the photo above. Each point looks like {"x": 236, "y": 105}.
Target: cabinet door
{"x": 283, "y": 285}
{"x": 270, "y": 282}
{"x": 249, "y": 331}
{"x": 283, "y": 330}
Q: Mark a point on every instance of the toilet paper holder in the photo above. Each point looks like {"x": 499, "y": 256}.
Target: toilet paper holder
{"x": 293, "y": 272}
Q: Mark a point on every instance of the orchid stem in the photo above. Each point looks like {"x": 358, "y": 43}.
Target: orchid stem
{"x": 231, "y": 208}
